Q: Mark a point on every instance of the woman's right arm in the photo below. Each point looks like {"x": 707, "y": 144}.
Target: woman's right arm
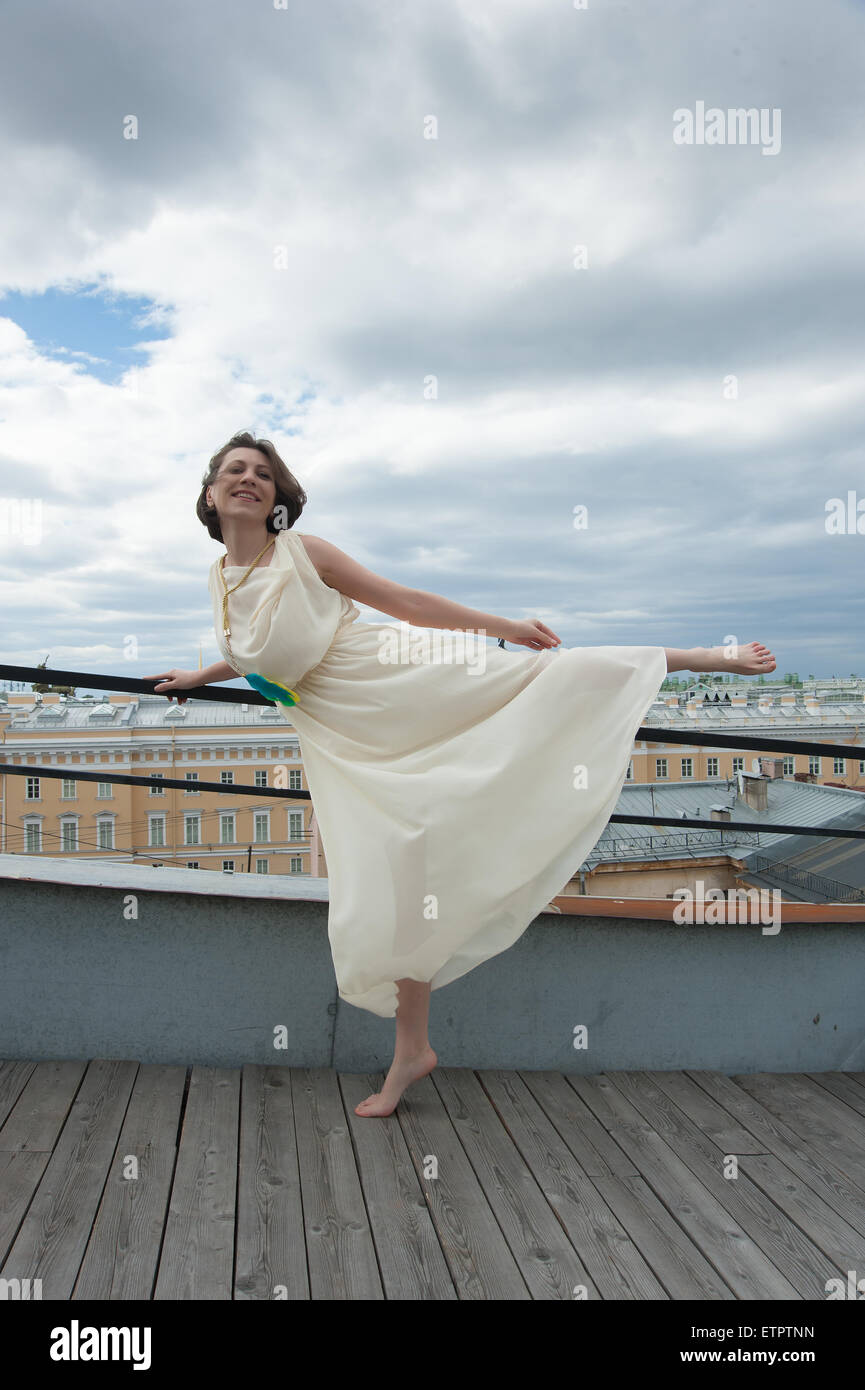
{"x": 220, "y": 671}
{"x": 176, "y": 679}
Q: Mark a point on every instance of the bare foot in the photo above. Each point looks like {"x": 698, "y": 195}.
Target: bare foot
{"x": 752, "y": 659}
{"x": 401, "y": 1074}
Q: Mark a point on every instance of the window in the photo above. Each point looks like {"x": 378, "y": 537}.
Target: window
{"x": 262, "y": 825}
{"x": 294, "y": 782}
{"x": 660, "y": 768}
{"x": 861, "y": 765}
{"x": 226, "y": 830}
{"x": 191, "y": 830}
{"x": 106, "y": 834}
{"x": 227, "y": 777}
{"x": 711, "y": 767}
{"x": 260, "y": 777}
{"x": 814, "y": 766}
{"x": 157, "y": 831}
{"x": 630, "y": 773}
{"x": 68, "y": 789}
{"x": 32, "y": 793}
{"x": 69, "y": 835}
{"x": 296, "y": 865}
{"x": 103, "y": 790}
{"x": 192, "y": 864}
{"x": 738, "y": 765}
{"x": 34, "y": 837}
{"x": 156, "y": 791}
{"x": 295, "y": 825}
{"x": 261, "y": 866}
{"x": 789, "y": 766}
{"x": 228, "y": 866}
{"x": 687, "y": 767}
{"x": 192, "y": 790}
{"x": 839, "y": 766}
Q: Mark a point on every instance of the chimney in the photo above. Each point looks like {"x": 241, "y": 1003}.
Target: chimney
{"x": 739, "y": 701}
{"x": 693, "y": 707}
{"x": 719, "y": 813}
{"x": 764, "y": 703}
{"x": 756, "y": 791}
{"x": 812, "y": 703}
{"x": 788, "y": 699}
{"x": 772, "y": 767}
{"x": 672, "y": 701}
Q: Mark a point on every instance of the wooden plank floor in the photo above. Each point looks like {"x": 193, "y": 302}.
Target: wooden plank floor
{"x": 123, "y": 1181}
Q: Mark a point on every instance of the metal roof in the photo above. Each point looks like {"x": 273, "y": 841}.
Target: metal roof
{"x": 789, "y": 803}
{"x": 146, "y": 712}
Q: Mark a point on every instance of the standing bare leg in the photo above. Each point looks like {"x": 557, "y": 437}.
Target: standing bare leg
{"x": 413, "y": 1057}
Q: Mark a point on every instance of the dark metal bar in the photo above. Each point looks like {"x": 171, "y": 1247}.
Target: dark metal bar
{"x": 761, "y": 826}
{"x": 232, "y": 695}
{"x": 136, "y": 685}
{"x": 242, "y": 788}
{"x": 774, "y": 745}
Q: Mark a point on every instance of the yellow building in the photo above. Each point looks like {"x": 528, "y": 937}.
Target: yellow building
{"x": 243, "y": 745}
{"x": 757, "y": 712}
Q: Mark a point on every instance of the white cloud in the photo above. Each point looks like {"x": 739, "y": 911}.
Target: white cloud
{"x": 406, "y": 258}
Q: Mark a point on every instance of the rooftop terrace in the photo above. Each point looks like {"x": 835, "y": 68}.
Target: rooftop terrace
{"x": 262, "y": 1183}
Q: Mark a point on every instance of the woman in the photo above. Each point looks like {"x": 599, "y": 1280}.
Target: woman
{"x": 456, "y": 791}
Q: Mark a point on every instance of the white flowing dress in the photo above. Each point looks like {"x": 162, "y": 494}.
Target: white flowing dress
{"x": 457, "y": 788}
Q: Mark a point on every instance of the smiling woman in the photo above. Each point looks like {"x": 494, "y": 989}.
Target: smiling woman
{"x": 254, "y": 466}
{"x": 423, "y": 773}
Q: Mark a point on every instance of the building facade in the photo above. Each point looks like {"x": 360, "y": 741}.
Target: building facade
{"x": 240, "y": 746}
{"x": 757, "y": 712}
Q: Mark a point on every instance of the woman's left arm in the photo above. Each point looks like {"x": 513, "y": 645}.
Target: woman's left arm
{"x": 415, "y": 606}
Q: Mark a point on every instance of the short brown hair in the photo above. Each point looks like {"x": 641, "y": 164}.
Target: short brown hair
{"x": 289, "y": 493}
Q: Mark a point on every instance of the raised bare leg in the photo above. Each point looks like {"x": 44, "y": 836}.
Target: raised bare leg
{"x": 750, "y": 659}
{"x": 412, "y": 1057}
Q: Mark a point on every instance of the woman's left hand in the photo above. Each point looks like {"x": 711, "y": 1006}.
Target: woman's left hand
{"x": 534, "y": 634}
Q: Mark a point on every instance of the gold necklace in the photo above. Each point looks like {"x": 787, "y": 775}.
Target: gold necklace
{"x": 226, "y": 630}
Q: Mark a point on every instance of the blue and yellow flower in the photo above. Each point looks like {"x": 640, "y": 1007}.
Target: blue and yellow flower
{"x": 273, "y": 690}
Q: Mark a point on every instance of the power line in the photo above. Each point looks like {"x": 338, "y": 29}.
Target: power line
{"x": 210, "y": 845}
{"x": 140, "y": 824}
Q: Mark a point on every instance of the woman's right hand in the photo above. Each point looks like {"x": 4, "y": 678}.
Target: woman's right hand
{"x": 534, "y": 634}
{"x": 175, "y": 679}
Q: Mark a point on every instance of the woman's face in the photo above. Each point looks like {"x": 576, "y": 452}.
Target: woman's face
{"x": 243, "y": 486}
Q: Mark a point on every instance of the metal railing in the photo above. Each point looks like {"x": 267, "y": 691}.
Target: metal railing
{"x": 830, "y": 888}
{"x": 648, "y": 733}
{"x": 642, "y": 845}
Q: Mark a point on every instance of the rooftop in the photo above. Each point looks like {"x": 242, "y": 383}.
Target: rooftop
{"x": 551, "y": 1186}
{"x": 789, "y": 803}
{"x": 141, "y": 712}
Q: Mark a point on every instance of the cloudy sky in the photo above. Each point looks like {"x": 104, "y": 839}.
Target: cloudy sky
{"x": 470, "y": 268}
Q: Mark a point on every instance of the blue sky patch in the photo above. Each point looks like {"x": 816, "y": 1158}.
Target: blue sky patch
{"x": 94, "y": 328}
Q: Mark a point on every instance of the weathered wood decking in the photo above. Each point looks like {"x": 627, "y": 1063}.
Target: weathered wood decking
{"x": 120, "y": 1181}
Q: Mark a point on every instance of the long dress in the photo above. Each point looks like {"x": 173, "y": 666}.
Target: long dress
{"x": 457, "y": 788}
